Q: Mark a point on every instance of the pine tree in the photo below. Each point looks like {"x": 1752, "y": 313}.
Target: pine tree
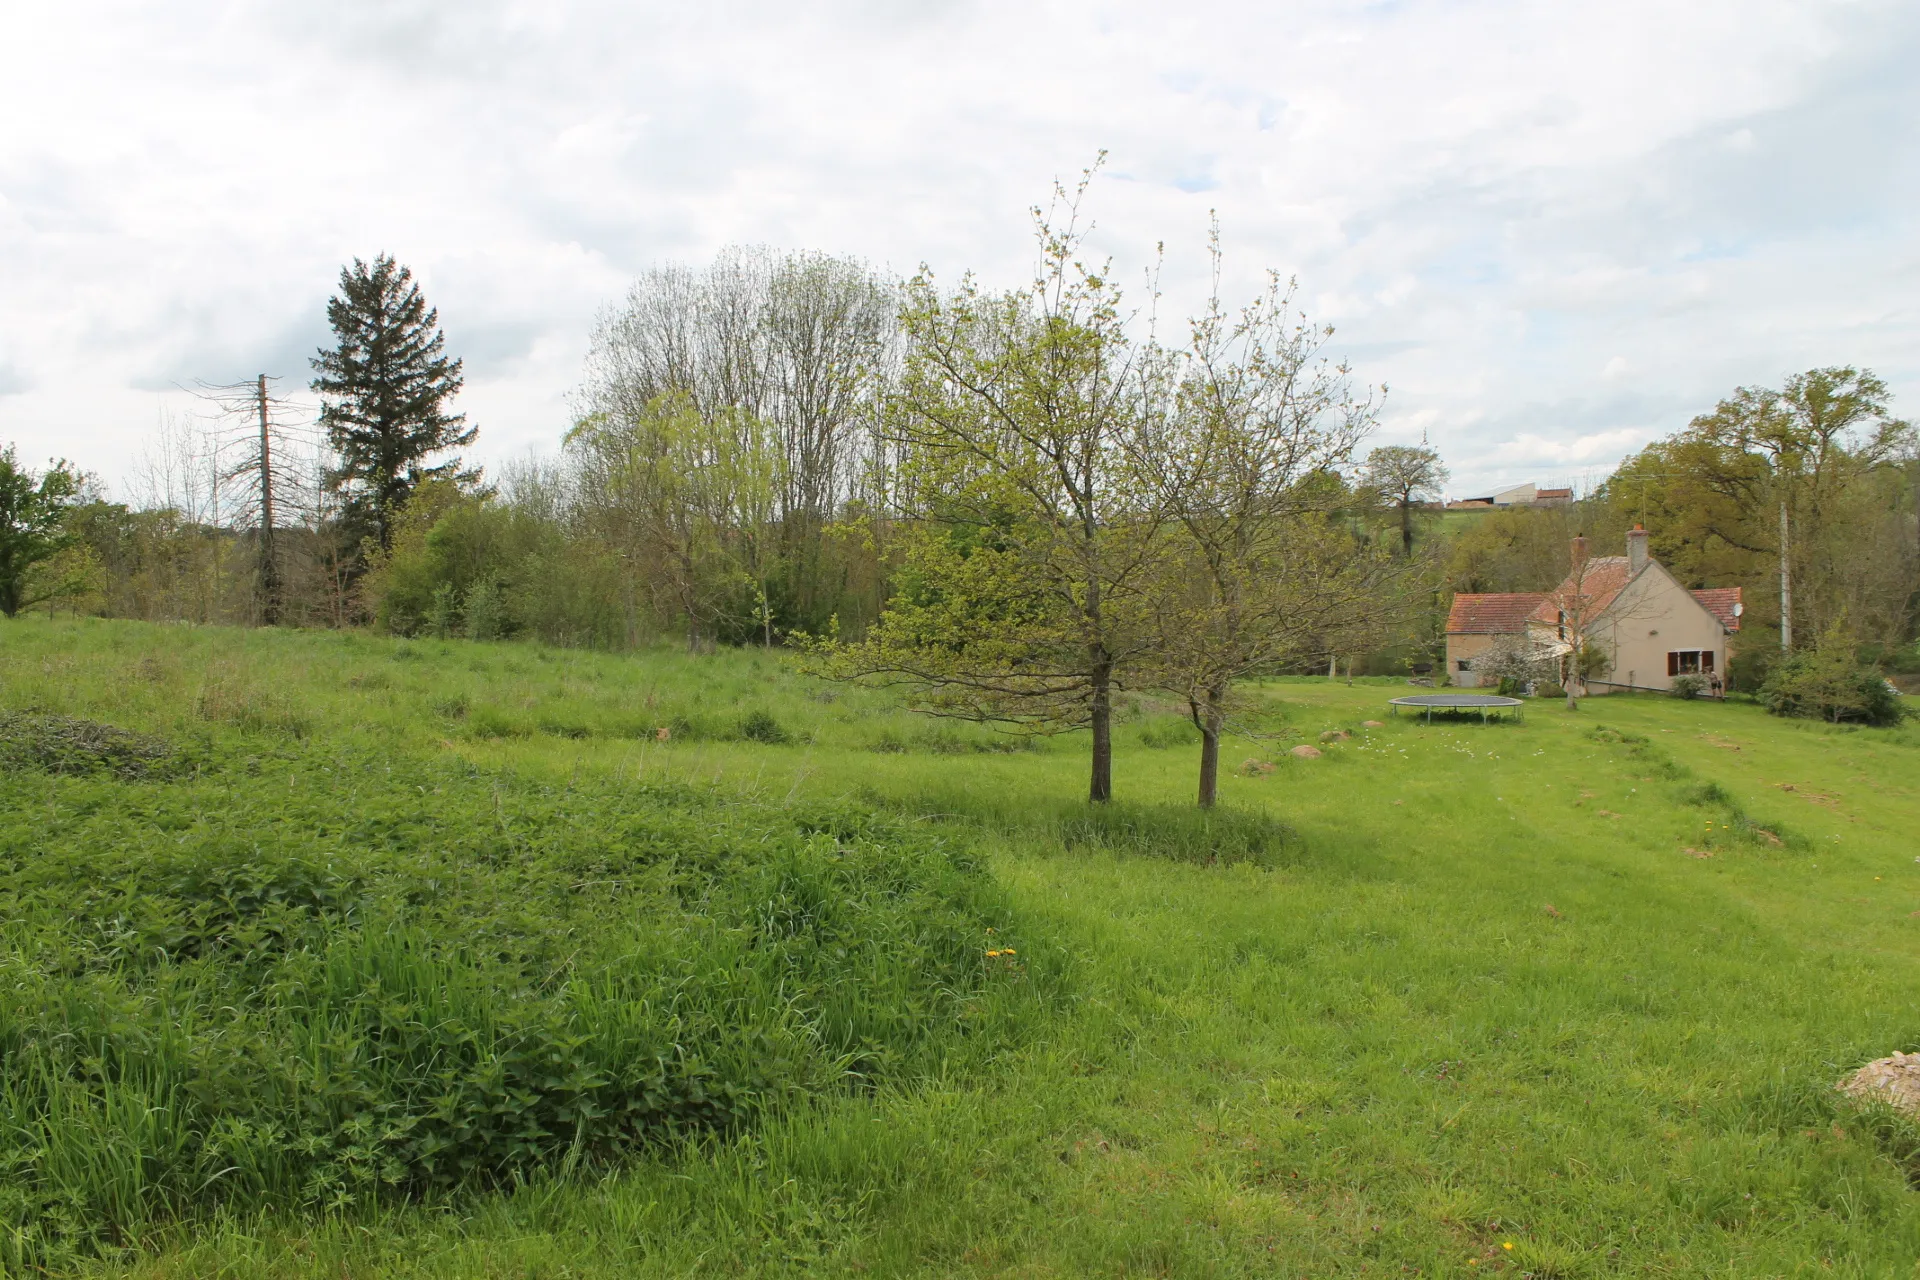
{"x": 384, "y": 389}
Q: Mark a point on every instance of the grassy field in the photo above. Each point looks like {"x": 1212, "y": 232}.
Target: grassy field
{"x": 1563, "y": 998}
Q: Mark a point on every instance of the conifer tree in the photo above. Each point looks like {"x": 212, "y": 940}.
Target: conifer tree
{"x": 384, "y": 389}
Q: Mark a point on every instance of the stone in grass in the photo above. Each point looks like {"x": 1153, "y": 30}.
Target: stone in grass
{"x": 1305, "y": 752}
{"x": 1373, "y": 724}
{"x": 1335, "y": 735}
{"x": 1894, "y": 1081}
{"x": 1252, "y": 768}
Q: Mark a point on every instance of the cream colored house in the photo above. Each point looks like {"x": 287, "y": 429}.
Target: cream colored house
{"x": 1629, "y": 608}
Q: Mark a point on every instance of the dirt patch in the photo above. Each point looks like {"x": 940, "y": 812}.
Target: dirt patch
{"x": 72, "y": 746}
{"x": 1894, "y": 1081}
{"x": 1823, "y": 798}
{"x": 1306, "y": 752}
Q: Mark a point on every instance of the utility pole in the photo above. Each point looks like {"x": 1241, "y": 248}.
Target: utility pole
{"x": 269, "y": 566}
{"x": 1786, "y": 589}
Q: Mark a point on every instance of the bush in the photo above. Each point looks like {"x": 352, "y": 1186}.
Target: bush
{"x": 1830, "y": 685}
{"x": 1687, "y": 687}
{"x": 760, "y": 726}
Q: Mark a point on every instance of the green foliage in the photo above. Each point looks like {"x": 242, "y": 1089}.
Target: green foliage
{"x": 760, "y": 726}
{"x": 431, "y": 979}
{"x": 1830, "y": 684}
{"x": 1515, "y": 984}
{"x": 33, "y": 530}
{"x": 1687, "y": 687}
{"x": 384, "y": 387}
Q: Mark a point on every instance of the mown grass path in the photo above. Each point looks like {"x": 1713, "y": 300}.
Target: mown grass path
{"x": 1505, "y": 1003}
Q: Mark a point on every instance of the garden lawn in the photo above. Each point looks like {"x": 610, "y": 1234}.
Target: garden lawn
{"x": 1561, "y": 998}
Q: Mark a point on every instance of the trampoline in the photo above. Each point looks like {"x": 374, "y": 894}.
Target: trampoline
{"x": 1481, "y": 702}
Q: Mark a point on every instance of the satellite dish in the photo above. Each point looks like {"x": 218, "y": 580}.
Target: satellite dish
{"x": 1738, "y": 608}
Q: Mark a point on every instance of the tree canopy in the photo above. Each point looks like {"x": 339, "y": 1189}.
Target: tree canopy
{"x": 384, "y": 388}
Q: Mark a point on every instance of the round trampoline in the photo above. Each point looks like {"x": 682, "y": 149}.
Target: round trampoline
{"x": 1481, "y": 702}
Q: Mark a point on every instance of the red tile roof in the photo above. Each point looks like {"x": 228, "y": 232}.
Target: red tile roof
{"x": 1495, "y": 614}
{"x": 1719, "y": 602}
{"x": 1589, "y": 591}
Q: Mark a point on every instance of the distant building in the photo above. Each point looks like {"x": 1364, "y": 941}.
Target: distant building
{"x": 1521, "y": 495}
{"x": 1650, "y": 628}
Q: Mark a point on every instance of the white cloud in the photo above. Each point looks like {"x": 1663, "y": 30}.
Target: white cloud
{"x": 1502, "y": 205}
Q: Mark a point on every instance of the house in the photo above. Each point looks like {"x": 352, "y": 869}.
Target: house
{"x": 1630, "y": 609}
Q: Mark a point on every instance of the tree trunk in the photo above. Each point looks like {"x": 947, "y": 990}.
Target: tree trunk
{"x": 1406, "y": 526}
{"x": 1786, "y": 588}
{"x": 1100, "y": 786}
{"x": 1209, "y": 725}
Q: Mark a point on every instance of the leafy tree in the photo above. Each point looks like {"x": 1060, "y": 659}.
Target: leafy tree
{"x": 384, "y": 388}
{"x": 1779, "y": 464}
{"x": 1830, "y": 683}
{"x": 1031, "y": 540}
{"x": 1404, "y": 475}
{"x": 689, "y": 494}
{"x": 33, "y": 531}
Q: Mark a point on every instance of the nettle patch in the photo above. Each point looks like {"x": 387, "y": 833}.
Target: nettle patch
{"x": 315, "y": 979}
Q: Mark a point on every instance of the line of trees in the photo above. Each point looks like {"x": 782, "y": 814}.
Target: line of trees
{"x": 1009, "y": 504}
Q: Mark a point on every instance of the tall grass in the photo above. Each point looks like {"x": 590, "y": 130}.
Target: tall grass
{"x": 317, "y": 979}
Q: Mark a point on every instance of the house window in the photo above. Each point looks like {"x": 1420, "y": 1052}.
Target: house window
{"x": 1463, "y": 665}
{"x": 1689, "y": 662}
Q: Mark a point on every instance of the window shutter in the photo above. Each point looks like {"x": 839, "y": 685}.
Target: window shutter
{"x": 1706, "y": 659}
{"x": 1673, "y": 662}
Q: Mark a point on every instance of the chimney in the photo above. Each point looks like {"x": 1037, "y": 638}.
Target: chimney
{"x": 1636, "y": 550}
{"x": 1579, "y": 552}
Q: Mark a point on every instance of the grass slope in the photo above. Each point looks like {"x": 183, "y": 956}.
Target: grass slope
{"x": 1563, "y": 998}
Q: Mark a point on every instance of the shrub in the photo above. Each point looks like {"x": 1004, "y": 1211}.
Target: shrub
{"x": 760, "y": 726}
{"x": 1830, "y": 685}
{"x": 1687, "y": 687}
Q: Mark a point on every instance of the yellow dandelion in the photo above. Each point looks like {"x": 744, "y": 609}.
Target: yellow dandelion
{"x": 1506, "y": 1244}
{"x": 1009, "y": 952}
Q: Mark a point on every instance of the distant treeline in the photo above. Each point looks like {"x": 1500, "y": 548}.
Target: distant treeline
{"x": 738, "y": 472}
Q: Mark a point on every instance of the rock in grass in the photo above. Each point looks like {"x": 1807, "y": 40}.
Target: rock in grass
{"x": 1894, "y": 1081}
{"x": 1251, "y": 768}
{"x": 1306, "y": 752}
{"x": 1335, "y": 735}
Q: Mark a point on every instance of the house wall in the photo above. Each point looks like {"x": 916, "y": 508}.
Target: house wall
{"x": 1651, "y": 617}
{"x": 1461, "y": 647}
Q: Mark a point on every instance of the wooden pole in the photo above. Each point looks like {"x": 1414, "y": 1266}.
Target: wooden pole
{"x": 269, "y": 567}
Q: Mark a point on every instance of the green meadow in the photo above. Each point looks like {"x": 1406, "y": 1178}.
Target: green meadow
{"x": 355, "y": 956}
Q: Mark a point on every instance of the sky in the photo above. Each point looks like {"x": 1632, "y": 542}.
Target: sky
{"x": 1554, "y": 231}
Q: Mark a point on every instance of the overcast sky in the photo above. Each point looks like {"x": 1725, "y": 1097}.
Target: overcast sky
{"x": 1557, "y": 231}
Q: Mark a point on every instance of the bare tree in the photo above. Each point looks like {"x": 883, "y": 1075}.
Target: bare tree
{"x": 259, "y": 448}
{"x": 1257, "y": 571}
